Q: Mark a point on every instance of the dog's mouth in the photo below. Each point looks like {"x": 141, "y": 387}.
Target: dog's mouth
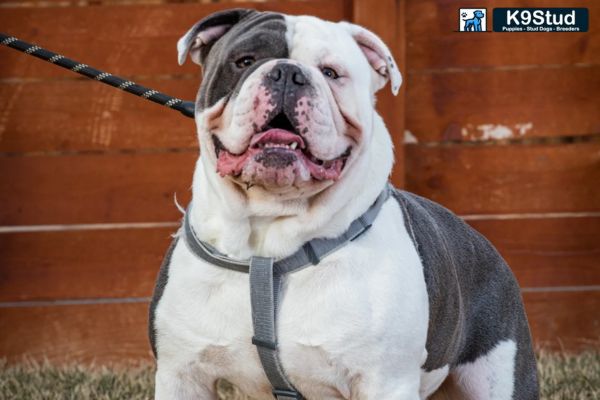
{"x": 278, "y": 151}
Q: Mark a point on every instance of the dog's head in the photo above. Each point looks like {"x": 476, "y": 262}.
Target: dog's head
{"x": 478, "y": 14}
{"x": 286, "y": 103}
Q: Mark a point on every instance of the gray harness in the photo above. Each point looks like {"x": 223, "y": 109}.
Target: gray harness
{"x": 266, "y": 276}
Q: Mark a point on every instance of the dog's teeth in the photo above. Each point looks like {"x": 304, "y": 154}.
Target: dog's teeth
{"x": 292, "y": 146}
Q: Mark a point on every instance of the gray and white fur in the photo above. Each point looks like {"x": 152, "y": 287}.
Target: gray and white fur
{"x": 420, "y": 306}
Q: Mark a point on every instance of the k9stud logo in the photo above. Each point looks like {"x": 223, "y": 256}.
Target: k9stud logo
{"x": 541, "y": 19}
{"x": 472, "y": 19}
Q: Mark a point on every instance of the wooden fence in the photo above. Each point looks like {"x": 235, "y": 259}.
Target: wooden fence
{"x": 502, "y": 128}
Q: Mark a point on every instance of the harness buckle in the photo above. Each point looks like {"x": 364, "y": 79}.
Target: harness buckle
{"x": 282, "y": 394}
{"x": 311, "y": 254}
{"x": 365, "y": 227}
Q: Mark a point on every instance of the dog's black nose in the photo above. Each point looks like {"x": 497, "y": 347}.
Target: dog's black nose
{"x": 275, "y": 74}
{"x": 288, "y": 73}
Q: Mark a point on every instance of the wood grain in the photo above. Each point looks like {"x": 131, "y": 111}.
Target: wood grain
{"x": 76, "y": 114}
{"x": 117, "y": 263}
{"x": 395, "y": 120}
{"x": 40, "y": 266}
{"x": 124, "y": 39}
{"x": 386, "y": 19}
{"x": 116, "y": 333}
{"x": 96, "y": 3}
{"x": 507, "y": 179}
{"x": 97, "y": 155}
{"x": 83, "y": 115}
{"x": 100, "y": 333}
{"x": 564, "y": 320}
{"x": 545, "y": 252}
{"x": 514, "y": 104}
{"x": 94, "y": 188}
{"x": 433, "y": 43}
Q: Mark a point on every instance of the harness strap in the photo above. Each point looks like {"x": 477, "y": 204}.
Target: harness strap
{"x": 265, "y": 287}
{"x": 266, "y": 275}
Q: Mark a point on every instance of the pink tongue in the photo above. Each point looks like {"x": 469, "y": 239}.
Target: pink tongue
{"x": 277, "y": 135}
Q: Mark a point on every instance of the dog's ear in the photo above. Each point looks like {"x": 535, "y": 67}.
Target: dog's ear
{"x": 200, "y": 38}
{"x": 379, "y": 56}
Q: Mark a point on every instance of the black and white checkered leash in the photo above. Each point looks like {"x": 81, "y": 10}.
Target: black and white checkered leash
{"x": 185, "y": 107}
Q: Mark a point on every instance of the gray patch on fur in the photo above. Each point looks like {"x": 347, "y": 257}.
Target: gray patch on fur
{"x": 159, "y": 288}
{"x": 474, "y": 299}
{"x": 259, "y": 34}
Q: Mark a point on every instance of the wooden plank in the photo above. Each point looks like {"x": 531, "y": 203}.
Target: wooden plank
{"x": 100, "y": 333}
{"x": 116, "y": 333}
{"x": 386, "y": 19}
{"x": 433, "y": 43}
{"x": 94, "y": 188}
{"x": 564, "y": 320}
{"x": 507, "y": 179}
{"x": 83, "y": 115}
{"x": 499, "y": 104}
{"x": 396, "y": 115}
{"x": 124, "y": 262}
{"x": 549, "y": 251}
{"x": 94, "y": 3}
{"x": 124, "y": 39}
{"x": 81, "y": 264}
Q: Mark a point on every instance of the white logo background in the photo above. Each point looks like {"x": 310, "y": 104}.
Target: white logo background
{"x": 469, "y": 15}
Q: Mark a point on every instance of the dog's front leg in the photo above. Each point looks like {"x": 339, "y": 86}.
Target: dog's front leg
{"x": 171, "y": 384}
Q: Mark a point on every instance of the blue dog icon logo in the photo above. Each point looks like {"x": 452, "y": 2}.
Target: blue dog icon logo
{"x": 472, "y": 20}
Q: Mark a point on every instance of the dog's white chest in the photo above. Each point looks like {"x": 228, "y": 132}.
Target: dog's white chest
{"x": 360, "y": 313}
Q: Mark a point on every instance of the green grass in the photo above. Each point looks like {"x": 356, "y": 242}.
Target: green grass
{"x": 563, "y": 377}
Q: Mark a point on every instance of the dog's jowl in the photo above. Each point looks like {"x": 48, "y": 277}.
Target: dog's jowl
{"x": 299, "y": 272}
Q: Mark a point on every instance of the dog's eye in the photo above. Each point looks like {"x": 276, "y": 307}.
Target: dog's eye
{"x": 330, "y": 73}
{"x": 245, "y": 62}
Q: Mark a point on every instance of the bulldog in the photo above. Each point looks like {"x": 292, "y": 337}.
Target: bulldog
{"x": 412, "y": 304}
